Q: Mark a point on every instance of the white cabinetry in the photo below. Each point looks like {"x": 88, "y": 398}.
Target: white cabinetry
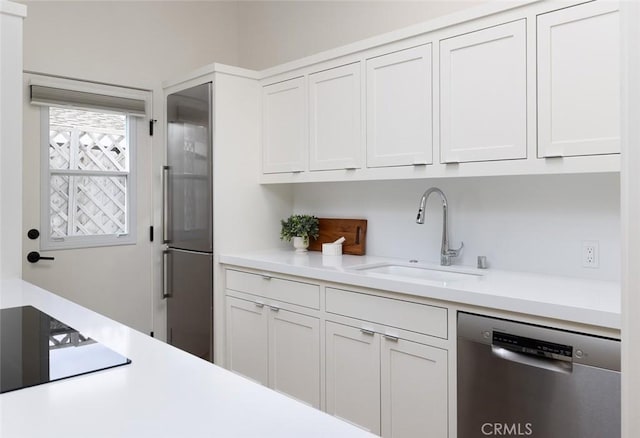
{"x": 247, "y": 339}
{"x": 483, "y": 98}
{"x": 269, "y": 343}
{"x": 414, "y": 390}
{"x": 284, "y": 127}
{"x": 493, "y": 94}
{"x": 399, "y": 111}
{"x": 335, "y": 118}
{"x": 384, "y": 361}
{"x": 579, "y": 80}
{"x": 353, "y": 375}
{"x": 378, "y": 379}
{"x": 294, "y": 355}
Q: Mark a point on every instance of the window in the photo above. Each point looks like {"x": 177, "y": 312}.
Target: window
{"x": 88, "y": 171}
{"x": 88, "y": 161}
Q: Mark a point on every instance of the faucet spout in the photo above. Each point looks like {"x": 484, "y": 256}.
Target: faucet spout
{"x": 446, "y": 253}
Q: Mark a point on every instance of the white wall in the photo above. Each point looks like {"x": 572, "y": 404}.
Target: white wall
{"x": 10, "y": 139}
{"x": 533, "y": 223}
{"x": 275, "y": 32}
{"x": 128, "y": 43}
{"x": 630, "y": 190}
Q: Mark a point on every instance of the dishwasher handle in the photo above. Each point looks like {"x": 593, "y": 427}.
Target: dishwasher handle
{"x": 559, "y": 366}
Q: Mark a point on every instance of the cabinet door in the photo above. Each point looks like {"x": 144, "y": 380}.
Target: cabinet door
{"x": 284, "y": 127}
{"x": 483, "y": 100}
{"x": 294, "y": 355}
{"x": 414, "y": 389}
{"x": 579, "y": 80}
{"x": 247, "y": 339}
{"x": 335, "y": 118}
{"x": 399, "y": 108}
{"x": 353, "y": 375}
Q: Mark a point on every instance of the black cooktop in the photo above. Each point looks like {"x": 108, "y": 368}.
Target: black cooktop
{"x": 36, "y": 348}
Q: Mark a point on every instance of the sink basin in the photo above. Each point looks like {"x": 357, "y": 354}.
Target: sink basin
{"x": 424, "y": 272}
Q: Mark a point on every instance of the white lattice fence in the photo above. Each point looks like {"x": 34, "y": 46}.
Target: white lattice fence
{"x": 87, "y": 204}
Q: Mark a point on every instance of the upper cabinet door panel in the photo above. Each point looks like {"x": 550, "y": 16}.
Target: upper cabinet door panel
{"x": 284, "y": 127}
{"x": 579, "y": 80}
{"x": 335, "y": 118}
{"x": 483, "y": 102}
{"x": 399, "y": 108}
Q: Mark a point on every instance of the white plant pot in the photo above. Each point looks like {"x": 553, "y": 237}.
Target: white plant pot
{"x": 301, "y": 244}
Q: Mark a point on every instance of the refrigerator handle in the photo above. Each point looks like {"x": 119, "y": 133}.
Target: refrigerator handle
{"x": 166, "y": 273}
{"x": 165, "y": 205}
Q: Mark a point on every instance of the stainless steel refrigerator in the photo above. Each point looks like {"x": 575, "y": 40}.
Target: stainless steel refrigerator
{"x": 188, "y": 221}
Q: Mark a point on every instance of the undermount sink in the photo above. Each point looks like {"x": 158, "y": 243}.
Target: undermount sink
{"x": 419, "y": 271}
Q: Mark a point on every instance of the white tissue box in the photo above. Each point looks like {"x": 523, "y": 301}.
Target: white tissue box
{"x": 332, "y": 249}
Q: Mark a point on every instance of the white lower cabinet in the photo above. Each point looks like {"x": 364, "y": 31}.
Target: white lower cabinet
{"x": 294, "y": 355}
{"x": 275, "y": 347}
{"x": 352, "y": 360}
{"x": 390, "y": 386}
{"x": 377, "y": 370}
{"x": 247, "y": 339}
{"x": 413, "y": 380}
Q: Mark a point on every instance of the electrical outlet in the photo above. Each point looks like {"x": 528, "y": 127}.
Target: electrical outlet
{"x": 590, "y": 256}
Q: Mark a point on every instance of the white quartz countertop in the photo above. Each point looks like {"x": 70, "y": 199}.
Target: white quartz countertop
{"x": 591, "y": 302}
{"x": 164, "y": 392}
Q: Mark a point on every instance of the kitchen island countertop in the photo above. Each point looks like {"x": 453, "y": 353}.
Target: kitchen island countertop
{"x": 164, "y": 392}
{"x": 582, "y": 301}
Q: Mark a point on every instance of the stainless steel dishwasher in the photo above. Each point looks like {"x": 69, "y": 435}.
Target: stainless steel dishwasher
{"x": 517, "y": 379}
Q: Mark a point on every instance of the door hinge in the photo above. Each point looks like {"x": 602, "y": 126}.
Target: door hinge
{"x": 151, "y": 233}
{"x": 151, "y": 123}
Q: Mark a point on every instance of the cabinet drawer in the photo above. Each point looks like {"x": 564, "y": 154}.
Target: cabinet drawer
{"x": 277, "y": 289}
{"x": 404, "y": 315}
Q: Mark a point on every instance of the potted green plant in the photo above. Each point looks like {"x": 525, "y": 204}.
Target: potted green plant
{"x": 300, "y": 227}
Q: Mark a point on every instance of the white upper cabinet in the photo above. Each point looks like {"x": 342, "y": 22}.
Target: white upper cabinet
{"x": 494, "y": 94}
{"x": 335, "y": 118}
{"x": 579, "y": 80}
{"x": 483, "y": 95}
{"x": 399, "y": 108}
{"x": 284, "y": 127}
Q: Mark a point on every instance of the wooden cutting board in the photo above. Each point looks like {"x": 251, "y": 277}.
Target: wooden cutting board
{"x": 353, "y": 230}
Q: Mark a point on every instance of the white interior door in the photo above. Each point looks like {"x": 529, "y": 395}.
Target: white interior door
{"x": 115, "y": 281}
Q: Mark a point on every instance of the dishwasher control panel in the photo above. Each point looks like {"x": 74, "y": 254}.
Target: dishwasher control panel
{"x": 535, "y": 347}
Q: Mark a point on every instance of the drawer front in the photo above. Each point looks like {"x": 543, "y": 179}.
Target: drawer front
{"x": 276, "y": 289}
{"x": 420, "y": 318}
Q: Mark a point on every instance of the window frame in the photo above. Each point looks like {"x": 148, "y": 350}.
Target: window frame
{"x": 98, "y": 240}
